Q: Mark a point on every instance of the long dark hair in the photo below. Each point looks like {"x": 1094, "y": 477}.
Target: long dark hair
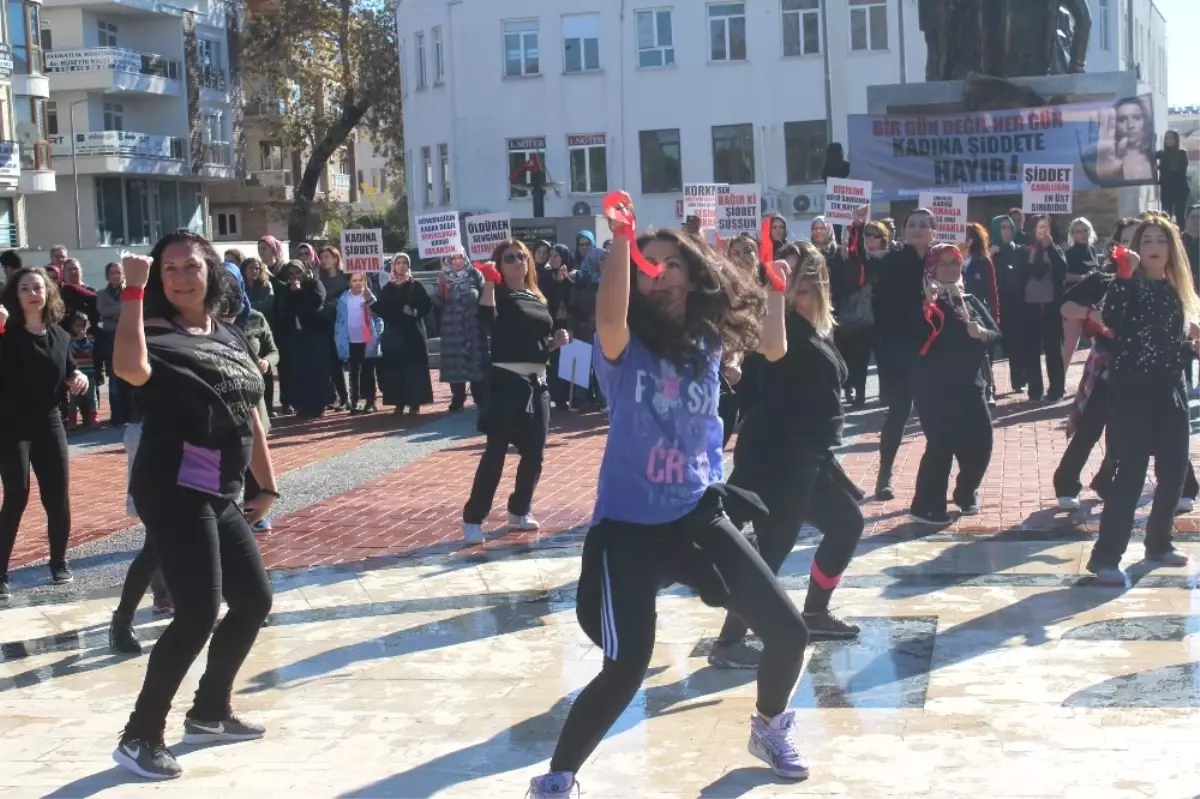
{"x": 723, "y": 309}
{"x": 156, "y": 297}
{"x": 54, "y": 309}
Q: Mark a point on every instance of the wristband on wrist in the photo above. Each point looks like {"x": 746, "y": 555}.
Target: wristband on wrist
{"x": 133, "y": 293}
{"x": 269, "y": 492}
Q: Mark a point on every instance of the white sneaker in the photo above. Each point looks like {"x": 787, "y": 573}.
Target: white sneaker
{"x": 473, "y": 533}
{"x": 526, "y": 522}
{"x": 1185, "y": 505}
{"x": 1068, "y": 503}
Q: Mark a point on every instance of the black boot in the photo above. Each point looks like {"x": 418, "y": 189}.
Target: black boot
{"x": 121, "y": 637}
{"x": 883, "y": 484}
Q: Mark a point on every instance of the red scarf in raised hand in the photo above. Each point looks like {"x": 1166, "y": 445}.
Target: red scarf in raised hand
{"x": 368, "y": 330}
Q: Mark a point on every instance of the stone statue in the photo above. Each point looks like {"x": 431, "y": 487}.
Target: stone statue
{"x": 1004, "y": 38}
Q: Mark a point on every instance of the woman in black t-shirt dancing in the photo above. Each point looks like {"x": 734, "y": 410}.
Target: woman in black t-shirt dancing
{"x": 199, "y": 388}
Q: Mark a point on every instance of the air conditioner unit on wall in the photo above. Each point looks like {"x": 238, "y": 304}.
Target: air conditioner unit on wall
{"x": 808, "y": 202}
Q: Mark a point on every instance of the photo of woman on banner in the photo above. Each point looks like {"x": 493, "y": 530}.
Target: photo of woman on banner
{"x": 1119, "y": 149}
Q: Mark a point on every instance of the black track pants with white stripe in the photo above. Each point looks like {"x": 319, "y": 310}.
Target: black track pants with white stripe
{"x": 624, "y": 568}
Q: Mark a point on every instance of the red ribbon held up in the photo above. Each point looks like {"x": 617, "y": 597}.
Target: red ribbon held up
{"x": 1124, "y": 262}
{"x": 618, "y": 209}
{"x": 490, "y": 273}
{"x": 766, "y": 255}
{"x": 935, "y": 317}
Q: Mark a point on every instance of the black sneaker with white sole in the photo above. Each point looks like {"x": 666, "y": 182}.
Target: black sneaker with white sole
{"x": 196, "y": 731}
{"x": 929, "y": 517}
{"x": 60, "y": 572}
{"x": 825, "y": 626}
{"x": 5, "y": 591}
{"x": 149, "y": 759}
{"x": 741, "y": 654}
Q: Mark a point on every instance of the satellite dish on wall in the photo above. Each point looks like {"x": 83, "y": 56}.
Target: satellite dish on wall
{"x": 581, "y": 208}
{"x": 801, "y": 203}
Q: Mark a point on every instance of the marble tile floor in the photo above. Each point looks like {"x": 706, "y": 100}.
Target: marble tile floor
{"x": 987, "y": 668}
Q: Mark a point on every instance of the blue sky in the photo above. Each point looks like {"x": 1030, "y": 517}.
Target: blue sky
{"x": 1183, "y": 50}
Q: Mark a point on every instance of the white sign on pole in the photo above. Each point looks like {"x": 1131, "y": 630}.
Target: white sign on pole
{"x": 1048, "y": 188}
{"x": 575, "y": 363}
{"x": 949, "y": 213}
{"x": 484, "y": 232}
{"x": 438, "y": 236}
{"x": 739, "y": 210}
{"x": 843, "y": 197}
{"x": 700, "y": 200}
{"x": 362, "y": 250}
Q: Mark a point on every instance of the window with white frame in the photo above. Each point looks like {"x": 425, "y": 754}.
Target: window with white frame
{"x": 419, "y": 39}
{"x": 439, "y": 56}
{"x": 589, "y": 163}
{"x": 106, "y": 33}
{"x": 868, "y": 25}
{"x": 581, "y": 42}
{"x": 403, "y": 71}
{"x": 733, "y": 153}
{"x": 727, "y": 32}
{"x": 1103, "y": 22}
{"x": 270, "y": 156}
{"x": 801, "y": 27}
{"x": 444, "y": 169}
{"x": 427, "y": 174}
{"x": 520, "y": 152}
{"x": 656, "y": 45}
{"x": 114, "y": 116}
{"x": 227, "y": 223}
{"x": 521, "y": 48}
{"x": 209, "y": 53}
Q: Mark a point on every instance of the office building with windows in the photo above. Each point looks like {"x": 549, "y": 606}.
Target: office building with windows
{"x": 649, "y": 94}
{"x": 144, "y": 111}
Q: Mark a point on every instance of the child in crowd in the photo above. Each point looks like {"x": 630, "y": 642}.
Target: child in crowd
{"x": 85, "y": 407}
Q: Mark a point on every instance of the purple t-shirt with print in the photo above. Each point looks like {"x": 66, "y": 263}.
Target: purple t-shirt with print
{"x": 664, "y": 440}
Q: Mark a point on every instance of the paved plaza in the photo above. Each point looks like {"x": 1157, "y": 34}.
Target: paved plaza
{"x": 399, "y": 663}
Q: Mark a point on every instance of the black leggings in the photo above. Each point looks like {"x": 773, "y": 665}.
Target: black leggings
{"x": 206, "y": 551}
{"x": 813, "y": 490}
{"x": 1088, "y": 430}
{"x": 516, "y": 412}
{"x": 957, "y": 425}
{"x": 40, "y": 444}
{"x": 362, "y": 375}
{"x": 1042, "y": 333}
{"x": 896, "y": 389}
{"x": 855, "y": 346}
{"x": 624, "y": 567}
{"x": 1145, "y": 417}
{"x": 143, "y": 574}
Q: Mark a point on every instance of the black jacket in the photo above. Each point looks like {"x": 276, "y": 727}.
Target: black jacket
{"x": 899, "y": 298}
{"x": 954, "y": 359}
{"x": 1029, "y": 267}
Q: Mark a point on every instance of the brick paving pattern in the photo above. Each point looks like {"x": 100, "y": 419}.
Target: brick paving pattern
{"x": 416, "y": 509}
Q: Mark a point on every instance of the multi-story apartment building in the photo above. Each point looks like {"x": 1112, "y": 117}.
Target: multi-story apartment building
{"x": 646, "y": 95}
{"x": 144, "y": 112}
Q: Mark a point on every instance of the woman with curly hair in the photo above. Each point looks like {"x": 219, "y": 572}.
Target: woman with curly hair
{"x": 659, "y": 519}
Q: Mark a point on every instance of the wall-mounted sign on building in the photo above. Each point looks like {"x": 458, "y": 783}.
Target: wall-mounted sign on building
{"x": 6, "y": 61}
{"x": 10, "y": 159}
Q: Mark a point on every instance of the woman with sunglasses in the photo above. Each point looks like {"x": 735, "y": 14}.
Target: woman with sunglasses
{"x": 949, "y": 384}
{"x": 517, "y": 410}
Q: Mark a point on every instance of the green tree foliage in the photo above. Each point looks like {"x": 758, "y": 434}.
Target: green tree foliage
{"x": 335, "y": 65}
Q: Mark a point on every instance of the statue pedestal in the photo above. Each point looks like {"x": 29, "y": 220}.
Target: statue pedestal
{"x": 1101, "y": 206}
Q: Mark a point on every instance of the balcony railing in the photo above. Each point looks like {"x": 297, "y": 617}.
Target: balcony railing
{"x": 121, "y": 143}
{"x": 218, "y": 153}
{"x": 264, "y": 107}
{"x": 117, "y": 59}
{"x": 339, "y": 181}
{"x": 270, "y": 177}
{"x": 212, "y": 78}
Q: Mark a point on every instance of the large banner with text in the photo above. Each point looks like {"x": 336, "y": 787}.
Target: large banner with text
{"x": 1109, "y": 142}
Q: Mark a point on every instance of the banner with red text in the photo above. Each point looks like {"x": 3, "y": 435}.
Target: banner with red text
{"x": 438, "y": 235}
{"x": 1047, "y": 189}
{"x": 739, "y": 208}
{"x": 484, "y": 232}
{"x": 700, "y": 200}
{"x": 1108, "y": 142}
{"x": 950, "y": 214}
{"x": 362, "y": 250}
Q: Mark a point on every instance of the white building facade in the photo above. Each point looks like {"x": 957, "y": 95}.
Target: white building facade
{"x": 646, "y": 95}
{"x": 145, "y": 109}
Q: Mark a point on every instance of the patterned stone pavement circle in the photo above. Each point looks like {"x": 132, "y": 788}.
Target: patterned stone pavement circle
{"x": 399, "y": 662}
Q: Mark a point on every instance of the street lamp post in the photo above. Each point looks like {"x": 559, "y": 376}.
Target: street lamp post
{"x": 75, "y": 173}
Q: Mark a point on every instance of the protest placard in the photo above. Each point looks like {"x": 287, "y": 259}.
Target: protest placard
{"x": 949, "y": 212}
{"x": 739, "y": 208}
{"x": 1048, "y": 188}
{"x": 362, "y": 250}
{"x": 843, "y": 196}
{"x": 700, "y": 200}
{"x": 484, "y": 232}
{"x": 437, "y": 235}
{"x": 575, "y": 363}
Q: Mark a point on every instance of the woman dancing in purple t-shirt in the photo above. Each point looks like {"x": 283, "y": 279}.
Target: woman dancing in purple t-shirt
{"x": 659, "y": 516}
